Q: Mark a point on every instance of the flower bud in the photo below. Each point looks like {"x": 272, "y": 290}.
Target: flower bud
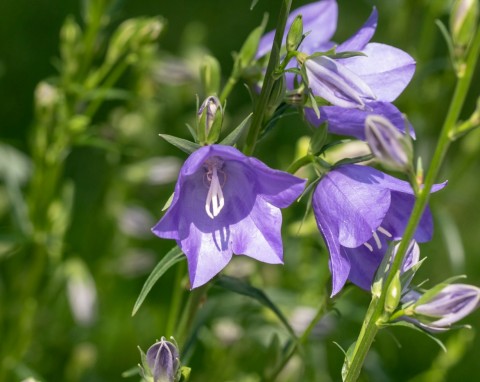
{"x": 163, "y": 361}
{"x": 392, "y": 148}
{"x": 394, "y": 293}
{"x": 209, "y": 120}
{"x": 295, "y": 34}
{"x": 210, "y": 75}
{"x": 437, "y": 310}
{"x": 463, "y": 21}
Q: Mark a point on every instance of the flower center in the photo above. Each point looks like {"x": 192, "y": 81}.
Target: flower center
{"x": 215, "y": 200}
{"x": 377, "y": 240}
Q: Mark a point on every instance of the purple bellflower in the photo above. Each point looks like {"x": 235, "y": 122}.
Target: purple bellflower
{"x": 439, "y": 312}
{"x": 226, "y": 203}
{"x": 355, "y": 86}
{"x": 358, "y": 211}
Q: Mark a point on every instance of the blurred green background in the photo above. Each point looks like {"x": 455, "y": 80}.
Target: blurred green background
{"x": 120, "y": 182}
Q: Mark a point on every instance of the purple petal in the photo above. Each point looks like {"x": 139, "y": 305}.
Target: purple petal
{"x": 258, "y": 235}
{"x": 319, "y": 18}
{"x": 364, "y": 264}
{"x": 277, "y": 187}
{"x": 398, "y": 215}
{"x": 351, "y": 122}
{"x": 350, "y": 205}
{"x": 358, "y": 41}
{"x": 332, "y": 81}
{"x": 386, "y": 70}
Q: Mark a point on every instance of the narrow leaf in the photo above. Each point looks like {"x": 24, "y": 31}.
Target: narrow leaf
{"x": 233, "y": 137}
{"x": 412, "y": 326}
{"x": 182, "y": 144}
{"x": 170, "y": 259}
{"x": 241, "y": 287}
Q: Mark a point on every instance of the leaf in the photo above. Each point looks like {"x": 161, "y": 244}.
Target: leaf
{"x": 412, "y": 326}
{"x": 170, "y": 259}
{"x": 182, "y": 144}
{"x": 254, "y": 2}
{"x": 241, "y": 287}
{"x": 233, "y": 137}
{"x": 348, "y": 358}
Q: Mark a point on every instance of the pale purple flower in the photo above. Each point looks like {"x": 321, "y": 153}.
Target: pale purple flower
{"x": 358, "y": 211}
{"x": 355, "y": 86}
{"x": 163, "y": 361}
{"x": 437, "y": 313}
{"x": 226, "y": 203}
{"x": 370, "y": 83}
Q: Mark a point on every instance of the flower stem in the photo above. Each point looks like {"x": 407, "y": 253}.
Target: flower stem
{"x": 375, "y": 310}
{"x": 261, "y": 106}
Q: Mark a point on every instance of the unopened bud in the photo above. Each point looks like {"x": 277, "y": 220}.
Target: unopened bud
{"x": 392, "y": 148}
{"x": 295, "y": 34}
{"x": 394, "y": 293}
{"x": 209, "y": 120}
{"x": 210, "y": 75}
{"x": 463, "y": 21}
{"x": 439, "y": 308}
{"x": 163, "y": 361}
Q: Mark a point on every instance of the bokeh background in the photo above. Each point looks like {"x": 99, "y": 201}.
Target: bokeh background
{"x": 118, "y": 180}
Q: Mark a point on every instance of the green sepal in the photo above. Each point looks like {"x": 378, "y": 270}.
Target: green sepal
{"x": 235, "y": 135}
{"x": 318, "y": 139}
{"x": 184, "y": 373}
{"x": 170, "y": 259}
{"x": 243, "y": 288}
{"x": 182, "y": 144}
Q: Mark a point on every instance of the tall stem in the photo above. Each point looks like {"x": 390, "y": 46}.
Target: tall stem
{"x": 274, "y": 60}
{"x": 372, "y": 320}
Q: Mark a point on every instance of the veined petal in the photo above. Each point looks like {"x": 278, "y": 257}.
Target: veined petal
{"x": 351, "y": 122}
{"x": 385, "y": 69}
{"x": 332, "y": 81}
{"x": 259, "y": 234}
{"x": 319, "y": 18}
{"x": 361, "y": 38}
{"x": 277, "y": 187}
{"x": 352, "y": 206}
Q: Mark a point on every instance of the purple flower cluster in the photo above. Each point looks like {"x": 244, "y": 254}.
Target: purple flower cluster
{"x": 226, "y": 203}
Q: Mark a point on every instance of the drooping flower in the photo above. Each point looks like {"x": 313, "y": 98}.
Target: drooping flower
{"x": 437, "y": 312}
{"x": 226, "y": 203}
{"x": 163, "y": 361}
{"x": 358, "y": 211}
{"x": 355, "y": 86}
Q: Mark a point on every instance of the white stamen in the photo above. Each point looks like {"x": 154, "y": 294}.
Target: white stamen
{"x": 384, "y": 231}
{"x": 377, "y": 240}
{"x": 215, "y": 200}
{"x": 368, "y": 246}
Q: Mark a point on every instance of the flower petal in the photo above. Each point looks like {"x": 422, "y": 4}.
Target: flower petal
{"x": 259, "y": 234}
{"x": 350, "y": 205}
{"x": 361, "y": 38}
{"x": 386, "y": 70}
{"x": 364, "y": 264}
{"x": 351, "y": 122}
{"x": 319, "y": 18}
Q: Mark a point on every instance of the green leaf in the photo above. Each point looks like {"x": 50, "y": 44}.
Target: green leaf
{"x": 412, "y": 326}
{"x": 254, "y": 2}
{"x": 241, "y": 287}
{"x": 233, "y": 137}
{"x": 348, "y": 359}
{"x": 182, "y": 144}
{"x": 170, "y": 259}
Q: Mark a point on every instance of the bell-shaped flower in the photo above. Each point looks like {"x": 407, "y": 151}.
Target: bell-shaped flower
{"x": 226, "y": 203}
{"x": 358, "y": 211}
{"x": 163, "y": 361}
{"x": 383, "y": 69}
{"x": 438, "y": 310}
{"x": 355, "y": 86}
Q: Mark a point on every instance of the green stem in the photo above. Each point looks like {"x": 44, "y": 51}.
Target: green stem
{"x": 299, "y": 163}
{"x": 232, "y": 81}
{"x": 261, "y": 105}
{"x": 176, "y": 300}
{"x": 372, "y": 320}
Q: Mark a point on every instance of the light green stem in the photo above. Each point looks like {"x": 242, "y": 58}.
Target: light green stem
{"x": 372, "y": 321}
{"x": 273, "y": 62}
